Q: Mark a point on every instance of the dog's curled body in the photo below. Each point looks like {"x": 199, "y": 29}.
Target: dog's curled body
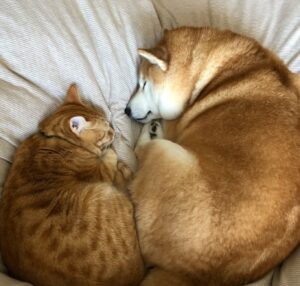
{"x": 218, "y": 197}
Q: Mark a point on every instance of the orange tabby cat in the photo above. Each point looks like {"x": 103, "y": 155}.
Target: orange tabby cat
{"x": 64, "y": 217}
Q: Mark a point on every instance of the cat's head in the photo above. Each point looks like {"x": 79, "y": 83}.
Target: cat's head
{"x": 79, "y": 124}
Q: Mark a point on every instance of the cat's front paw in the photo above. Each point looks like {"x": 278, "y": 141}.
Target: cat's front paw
{"x": 124, "y": 170}
{"x": 123, "y": 175}
{"x": 111, "y": 156}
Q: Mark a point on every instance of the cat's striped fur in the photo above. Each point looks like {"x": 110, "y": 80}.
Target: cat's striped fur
{"x": 65, "y": 218}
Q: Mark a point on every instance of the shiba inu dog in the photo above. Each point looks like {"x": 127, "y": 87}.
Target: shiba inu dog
{"x": 217, "y": 192}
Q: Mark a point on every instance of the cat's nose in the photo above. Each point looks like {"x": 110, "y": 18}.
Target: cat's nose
{"x": 128, "y": 111}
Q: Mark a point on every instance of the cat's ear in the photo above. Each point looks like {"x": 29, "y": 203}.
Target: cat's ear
{"x": 73, "y": 95}
{"x": 77, "y": 124}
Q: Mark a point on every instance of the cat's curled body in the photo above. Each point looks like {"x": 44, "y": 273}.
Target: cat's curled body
{"x": 64, "y": 218}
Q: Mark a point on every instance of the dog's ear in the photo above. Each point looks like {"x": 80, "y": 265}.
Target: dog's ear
{"x": 157, "y": 56}
{"x": 72, "y": 94}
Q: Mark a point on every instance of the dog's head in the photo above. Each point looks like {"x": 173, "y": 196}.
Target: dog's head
{"x": 159, "y": 87}
{"x": 173, "y": 74}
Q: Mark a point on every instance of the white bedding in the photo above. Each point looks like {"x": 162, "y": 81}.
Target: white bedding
{"x": 46, "y": 45}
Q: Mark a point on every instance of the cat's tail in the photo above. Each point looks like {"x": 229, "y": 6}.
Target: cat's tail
{"x": 160, "y": 277}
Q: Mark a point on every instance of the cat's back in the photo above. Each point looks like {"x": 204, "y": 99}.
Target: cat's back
{"x": 34, "y": 162}
{"x": 61, "y": 230}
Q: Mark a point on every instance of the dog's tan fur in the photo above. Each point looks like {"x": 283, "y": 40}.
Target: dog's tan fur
{"x": 217, "y": 200}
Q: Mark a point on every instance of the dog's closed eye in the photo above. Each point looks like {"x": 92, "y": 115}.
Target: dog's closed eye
{"x": 144, "y": 85}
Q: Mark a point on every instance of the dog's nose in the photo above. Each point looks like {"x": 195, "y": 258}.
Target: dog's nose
{"x": 128, "y": 111}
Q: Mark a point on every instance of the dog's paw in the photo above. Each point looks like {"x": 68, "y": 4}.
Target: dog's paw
{"x": 155, "y": 130}
{"x": 150, "y": 131}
